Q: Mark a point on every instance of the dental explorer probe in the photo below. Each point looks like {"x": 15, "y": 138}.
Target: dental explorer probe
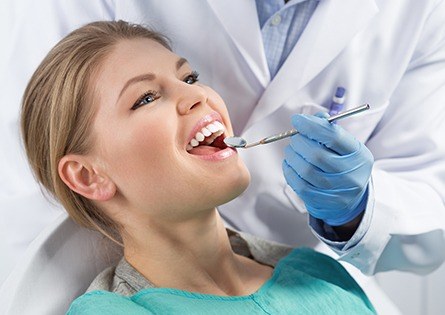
{"x": 238, "y": 142}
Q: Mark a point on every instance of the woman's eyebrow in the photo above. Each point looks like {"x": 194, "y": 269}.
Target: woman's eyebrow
{"x": 139, "y": 78}
{"x": 181, "y": 61}
{"x": 148, "y": 76}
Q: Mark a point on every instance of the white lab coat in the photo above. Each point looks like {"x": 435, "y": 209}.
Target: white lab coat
{"x": 388, "y": 53}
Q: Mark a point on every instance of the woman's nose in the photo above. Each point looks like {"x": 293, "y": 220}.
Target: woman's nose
{"x": 191, "y": 97}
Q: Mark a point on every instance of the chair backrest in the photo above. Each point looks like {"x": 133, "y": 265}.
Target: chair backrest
{"x": 58, "y": 266}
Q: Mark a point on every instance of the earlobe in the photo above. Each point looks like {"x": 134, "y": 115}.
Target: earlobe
{"x": 81, "y": 177}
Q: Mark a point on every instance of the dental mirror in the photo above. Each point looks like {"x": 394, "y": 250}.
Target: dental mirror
{"x": 235, "y": 142}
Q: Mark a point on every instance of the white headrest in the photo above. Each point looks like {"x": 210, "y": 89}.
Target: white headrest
{"x": 58, "y": 266}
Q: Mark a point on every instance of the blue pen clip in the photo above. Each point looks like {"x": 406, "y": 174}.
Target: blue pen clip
{"x": 338, "y": 101}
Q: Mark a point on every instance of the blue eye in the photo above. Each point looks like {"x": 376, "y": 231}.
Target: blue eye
{"x": 147, "y": 98}
{"x": 192, "y": 78}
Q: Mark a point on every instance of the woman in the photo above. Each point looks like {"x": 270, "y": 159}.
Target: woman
{"x": 118, "y": 129}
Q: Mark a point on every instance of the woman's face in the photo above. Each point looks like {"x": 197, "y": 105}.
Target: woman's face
{"x": 150, "y": 107}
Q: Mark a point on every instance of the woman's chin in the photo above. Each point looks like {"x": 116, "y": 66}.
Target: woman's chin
{"x": 237, "y": 185}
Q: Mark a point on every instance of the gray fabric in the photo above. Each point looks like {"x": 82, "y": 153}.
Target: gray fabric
{"x": 125, "y": 280}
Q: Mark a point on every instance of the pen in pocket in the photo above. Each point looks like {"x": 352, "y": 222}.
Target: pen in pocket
{"x": 338, "y": 101}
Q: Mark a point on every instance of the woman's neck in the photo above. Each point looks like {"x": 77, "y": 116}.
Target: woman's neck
{"x": 194, "y": 256}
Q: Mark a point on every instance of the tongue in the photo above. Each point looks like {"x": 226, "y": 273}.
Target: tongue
{"x": 204, "y": 150}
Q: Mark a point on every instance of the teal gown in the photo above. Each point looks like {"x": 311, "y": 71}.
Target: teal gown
{"x": 303, "y": 282}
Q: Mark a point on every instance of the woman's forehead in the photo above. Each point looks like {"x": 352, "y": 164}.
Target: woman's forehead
{"x": 142, "y": 50}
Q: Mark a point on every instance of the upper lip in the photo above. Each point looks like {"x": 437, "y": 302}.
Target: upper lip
{"x": 204, "y": 121}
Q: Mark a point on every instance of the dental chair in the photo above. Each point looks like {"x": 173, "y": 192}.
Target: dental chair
{"x": 58, "y": 266}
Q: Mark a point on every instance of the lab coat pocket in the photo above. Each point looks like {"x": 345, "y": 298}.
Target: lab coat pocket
{"x": 363, "y": 125}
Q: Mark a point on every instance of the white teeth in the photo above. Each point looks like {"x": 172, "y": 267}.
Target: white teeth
{"x": 219, "y": 125}
{"x": 199, "y": 136}
{"x": 206, "y": 132}
{"x": 212, "y": 127}
{"x": 210, "y": 139}
{"x": 194, "y": 142}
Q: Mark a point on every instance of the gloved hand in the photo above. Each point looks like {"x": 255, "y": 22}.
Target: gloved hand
{"x": 328, "y": 168}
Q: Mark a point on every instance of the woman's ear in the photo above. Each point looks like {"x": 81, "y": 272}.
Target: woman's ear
{"x": 81, "y": 176}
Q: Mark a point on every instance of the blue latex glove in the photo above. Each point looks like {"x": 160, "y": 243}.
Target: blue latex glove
{"x": 328, "y": 168}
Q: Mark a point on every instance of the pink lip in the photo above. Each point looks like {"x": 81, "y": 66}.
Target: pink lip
{"x": 219, "y": 156}
{"x": 204, "y": 121}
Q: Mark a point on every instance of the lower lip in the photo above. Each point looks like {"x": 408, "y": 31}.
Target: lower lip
{"x": 219, "y": 156}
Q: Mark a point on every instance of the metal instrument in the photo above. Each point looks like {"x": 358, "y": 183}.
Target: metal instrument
{"x": 238, "y": 142}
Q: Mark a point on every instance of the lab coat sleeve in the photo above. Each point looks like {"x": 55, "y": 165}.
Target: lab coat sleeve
{"x": 406, "y": 231}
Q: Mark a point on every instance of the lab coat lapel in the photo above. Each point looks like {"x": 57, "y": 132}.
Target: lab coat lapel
{"x": 240, "y": 20}
{"x": 330, "y": 29}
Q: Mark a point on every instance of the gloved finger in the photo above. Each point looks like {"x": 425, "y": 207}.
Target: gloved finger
{"x": 335, "y": 207}
{"x": 331, "y": 135}
{"x": 298, "y": 184}
{"x": 317, "y": 154}
{"x": 318, "y": 198}
{"x": 322, "y": 115}
{"x": 323, "y": 202}
{"x": 340, "y": 171}
{"x": 309, "y": 172}
{"x": 320, "y": 203}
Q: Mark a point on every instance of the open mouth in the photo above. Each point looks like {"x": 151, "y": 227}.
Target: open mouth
{"x": 208, "y": 140}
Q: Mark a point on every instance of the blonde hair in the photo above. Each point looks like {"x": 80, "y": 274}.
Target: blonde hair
{"x": 57, "y": 112}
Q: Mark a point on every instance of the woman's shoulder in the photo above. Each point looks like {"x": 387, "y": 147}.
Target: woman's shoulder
{"x": 111, "y": 292}
{"x": 261, "y": 250}
{"x": 103, "y": 281}
{"x": 104, "y": 302}
{"x": 322, "y": 271}
{"x": 122, "y": 279}
{"x": 273, "y": 253}
{"x": 318, "y": 265}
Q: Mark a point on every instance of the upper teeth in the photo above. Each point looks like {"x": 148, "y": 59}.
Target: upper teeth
{"x": 209, "y": 133}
